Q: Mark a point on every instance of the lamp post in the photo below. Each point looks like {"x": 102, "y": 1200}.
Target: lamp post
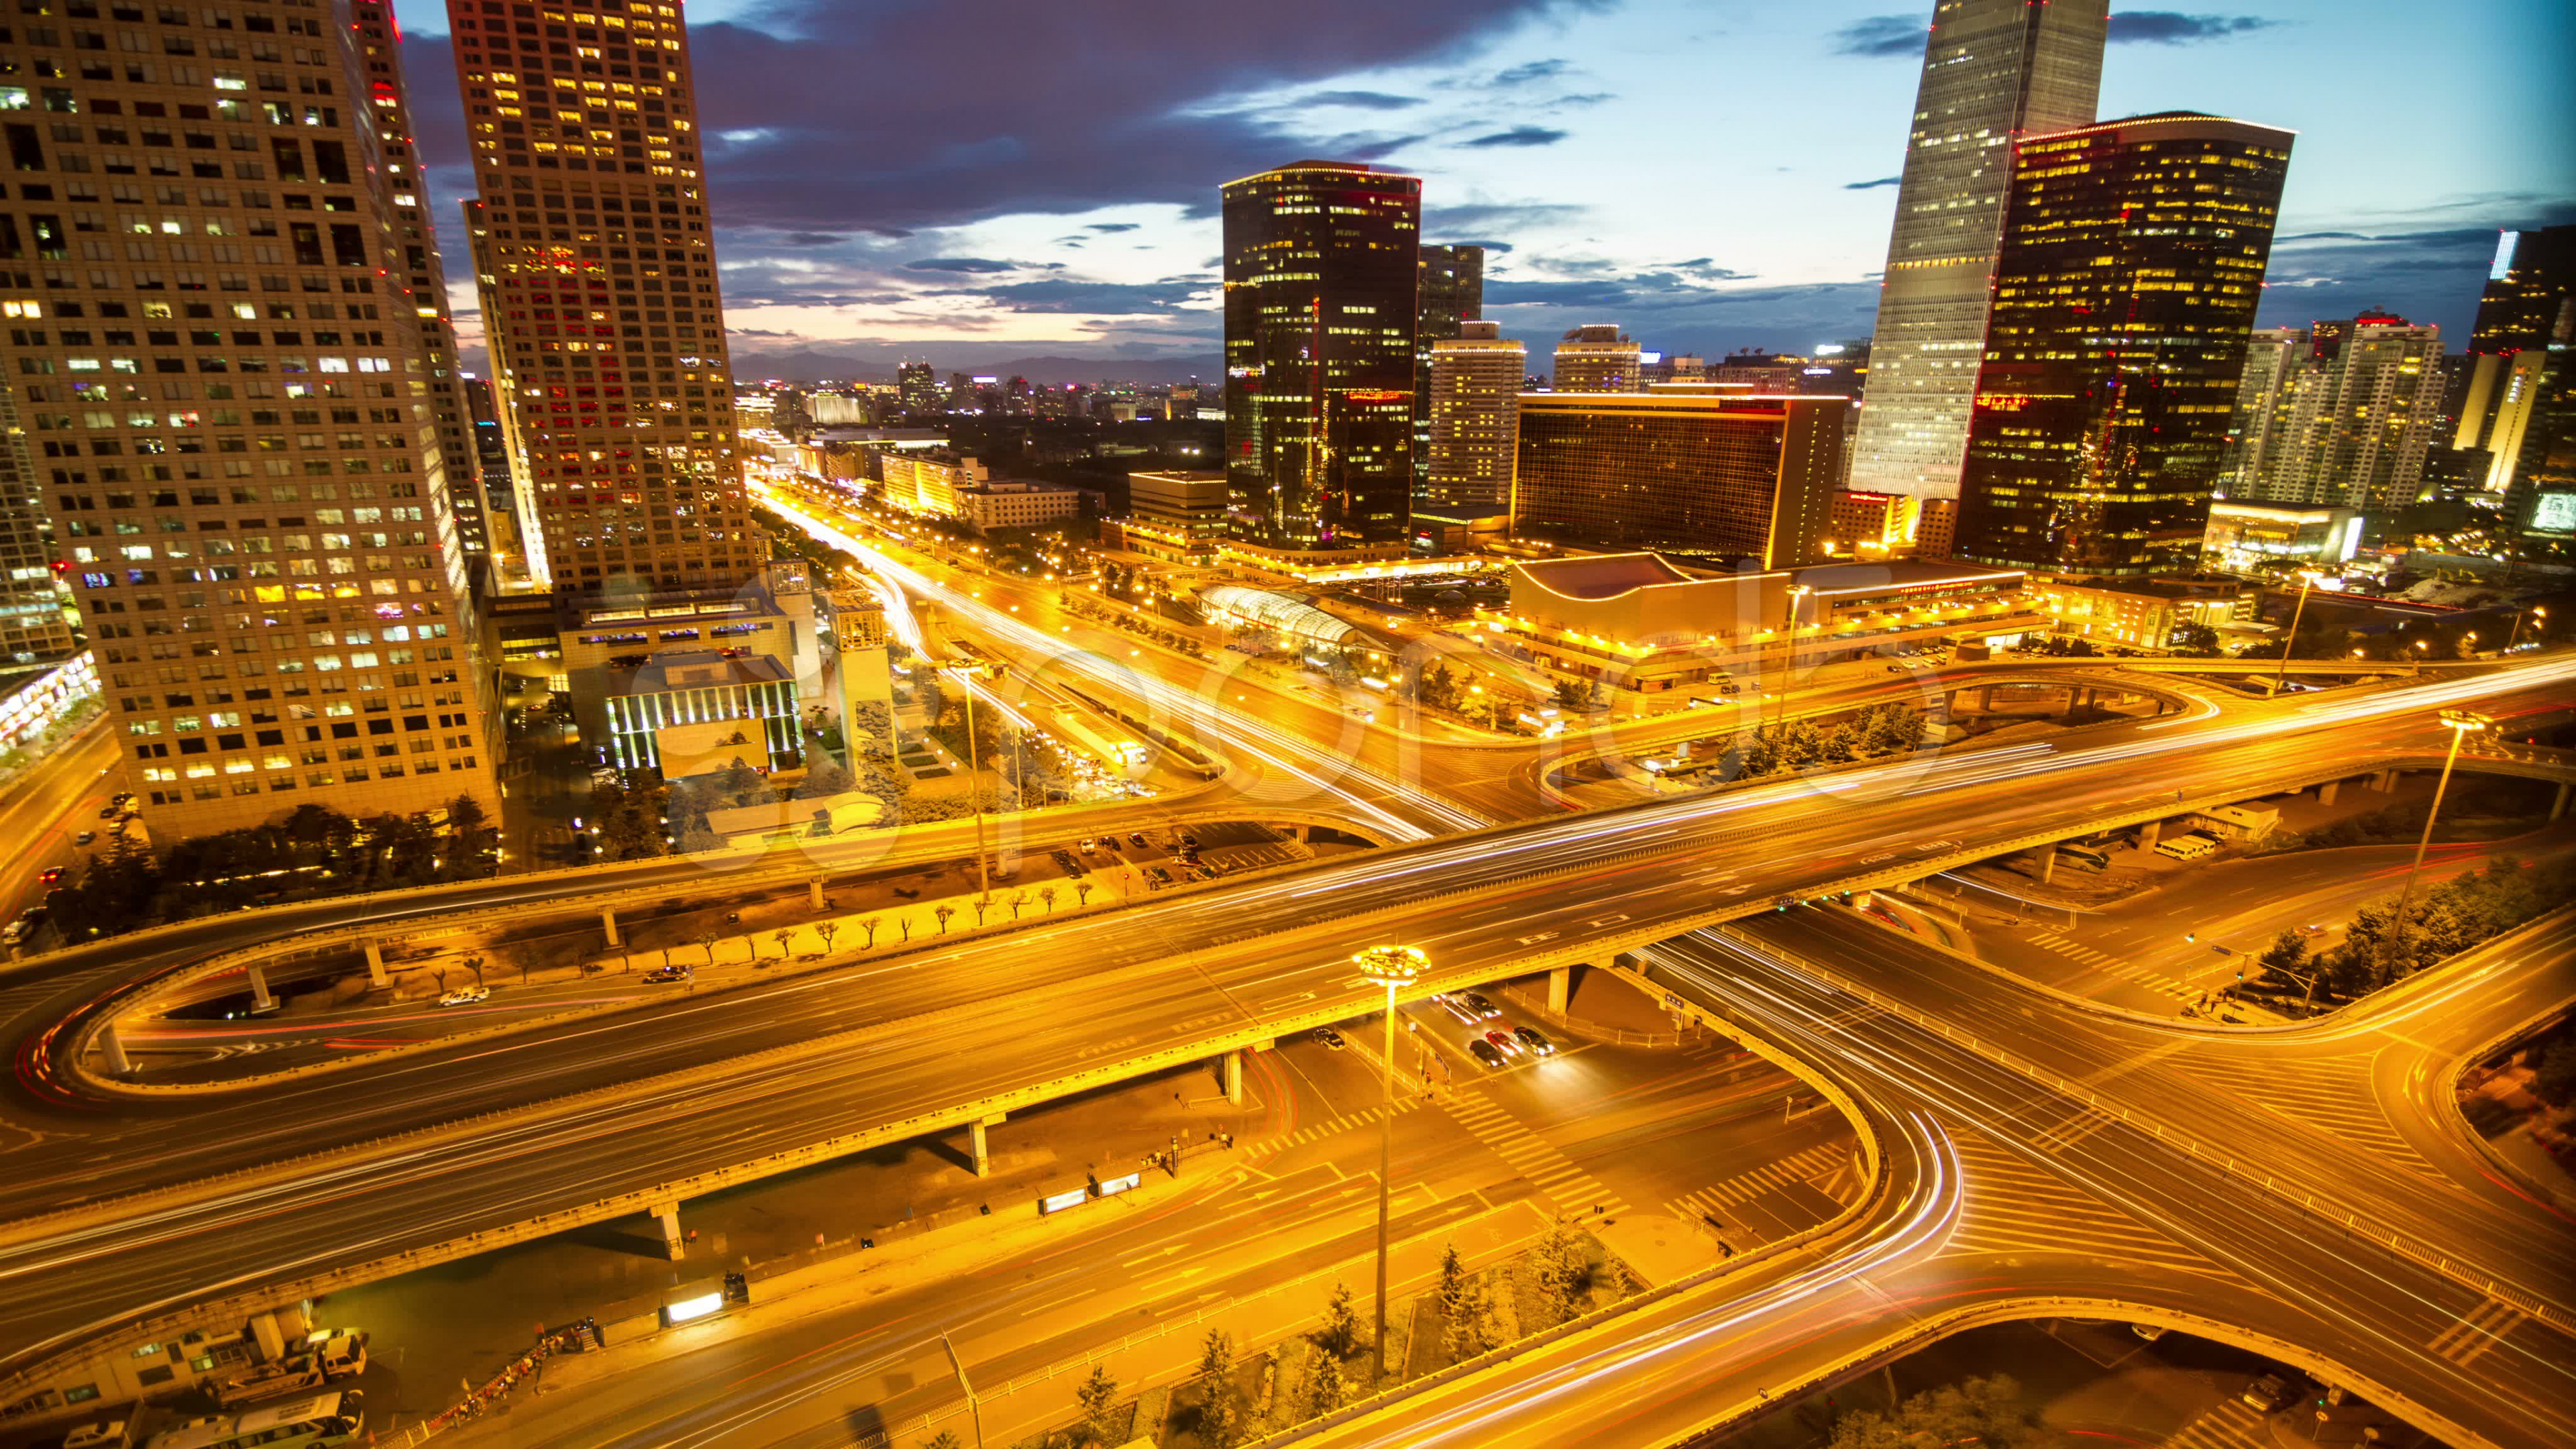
{"x": 2538, "y": 612}
{"x": 975, "y": 791}
{"x": 1789, "y": 646}
{"x": 2462, "y": 724}
{"x": 974, "y": 1405}
{"x": 2307, "y": 578}
{"x": 1390, "y": 967}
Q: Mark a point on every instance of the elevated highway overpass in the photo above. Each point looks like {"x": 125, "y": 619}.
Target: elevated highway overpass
{"x": 594, "y": 1122}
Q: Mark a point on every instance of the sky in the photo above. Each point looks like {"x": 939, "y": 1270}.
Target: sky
{"x": 976, "y": 182}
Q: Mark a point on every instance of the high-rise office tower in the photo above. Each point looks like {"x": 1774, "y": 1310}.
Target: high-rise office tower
{"x": 2132, "y": 259}
{"x": 218, "y": 358}
{"x": 379, "y": 39}
{"x": 1451, "y": 292}
{"x": 603, "y": 317}
{"x": 1321, "y": 276}
{"x": 1475, "y": 401}
{"x": 1728, "y": 477}
{"x": 917, "y": 387}
{"x": 2530, "y": 297}
{"x": 1993, "y": 71}
{"x": 33, "y": 630}
{"x": 1597, "y": 357}
{"x": 2339, "y": 415}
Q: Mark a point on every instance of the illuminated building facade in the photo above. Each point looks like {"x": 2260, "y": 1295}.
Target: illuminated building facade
{"x": 2340, "y": 414}
{"x": 1710, "y": 475}
{"x": 32, "y": 627}
{"x": 1449, "y": 294}
{"x": 2095, "y": 443}
{"x": 1322, "y": 267}
{"x": 601, "y": 306}
{"x": 1993, "y": 72}
{"x": 2529, "y": 298}
{"x": 1597, "y": 357}
{"x": 1476, "y": 380}
{"x": 230, "y": 408}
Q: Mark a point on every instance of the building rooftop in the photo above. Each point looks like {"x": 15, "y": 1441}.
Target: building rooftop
{"x": 1602, "y": 576}
{"x": 700, "y": 669}
{"x": 1862, "y": 578}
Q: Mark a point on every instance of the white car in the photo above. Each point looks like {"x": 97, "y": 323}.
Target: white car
{"x": 110, "y": 1435}
{"x": 466, "y": 996}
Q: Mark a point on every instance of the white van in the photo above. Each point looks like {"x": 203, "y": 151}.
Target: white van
{"x": 2187, "y": 847}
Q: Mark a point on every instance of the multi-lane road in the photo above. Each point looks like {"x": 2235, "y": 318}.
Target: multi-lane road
{"x": 1113, "y": 990}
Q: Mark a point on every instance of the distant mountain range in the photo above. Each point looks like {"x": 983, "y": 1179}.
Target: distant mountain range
{"x": 809, "y": 365}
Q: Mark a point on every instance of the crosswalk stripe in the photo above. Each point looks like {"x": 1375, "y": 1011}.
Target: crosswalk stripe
{"x": 1555, "y": 1175}
{"x": 2474, "y": 1334}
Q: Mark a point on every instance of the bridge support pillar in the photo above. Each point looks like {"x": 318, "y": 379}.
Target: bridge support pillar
{"x": 1560, "y": 986}
{"x": 376, "y": 964}
{"x": 608, "y": 924}
{"x": 270, "y": 1337}
{"x": 2047, "y": 863}
{"x": 2326, "y": 792}
{"x": 2558, "y": 806}
{"x": 1294, "y": 832}
{"x": 1234, "y": 1078}
{"x": 2384, "y": 782}
{"x": 260, "y": 1000}
{"x": 2147, "y": 834}
{"x": 111, "y": 1052}
{"x": 983, "y": 1149}
{"x": 814, "y": 893}
{"x": 668, "y": 1215}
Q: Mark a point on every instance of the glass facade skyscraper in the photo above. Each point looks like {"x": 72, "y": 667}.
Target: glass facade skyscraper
{"x": 1476, "y": 381}
{"x": 1735, "y": 478}
{"x": 2132, "y": 260}
{"x": 1322, "y": 268}
{"x": 1451, "y": 293}
{"x": 1993, "y": 71}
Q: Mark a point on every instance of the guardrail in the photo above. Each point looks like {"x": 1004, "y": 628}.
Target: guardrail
{"x": 1522, "y": 996}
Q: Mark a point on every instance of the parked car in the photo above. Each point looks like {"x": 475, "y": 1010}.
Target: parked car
{"x": 1136, "y": 838}
{"x": 110, "y": 1435}
{"x": 1539, "y": 1046}
{"x": 1477, "y": 1003}
{"x": 51, "y": 874}
{"x": 2267, "y": 1394}
{"x": 466, "y": 996}
{"x": 85, "y": 837}
{"x": 1483, "y": 1051}
{"x": 1329, "y": 1037}
{"x": 1090, "y": 844}
{"x": 110, "y": 812}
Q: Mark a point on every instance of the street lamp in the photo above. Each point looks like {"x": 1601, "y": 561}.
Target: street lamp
{"x": 1390, "y": 967}
{"x": 2540, "y": 611}
{"x": 2307, "y": 578}
{"x": 2462, "y": 724}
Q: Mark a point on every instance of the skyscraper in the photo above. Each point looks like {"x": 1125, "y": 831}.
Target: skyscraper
{"x": 1475, "y": 398}
{"x": 1993, "y": 71}
{"x": 1451, "y": 292}
{"x": 603, "y": 316}
{"x": 32, "y": 627}
{"x": 233, "y": 416}
{"x": 1321, "y": 281}
{"x": 2530, "y": 298}
{"x": 1720, "y": 476}
{"x": 918, "y": 387}
{"x": 1596, "y": 357}
{"x": 2132, "y": 259}
{"x": 2338, "y": 415}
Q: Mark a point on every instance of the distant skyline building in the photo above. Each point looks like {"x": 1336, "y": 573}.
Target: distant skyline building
{"x": 1449, "y": 294}
{"x": 1704, "y": 474}
{"x": 607, "y": 327}
{"x": 2095, "y": 448}
{"x": 1322, "y": 279}
{"x": 233, "y": 414}
{"x": 917, "y": 387}
{"x": 1596, "y": 357}
{"x": 1993, "y": 71}
{"x": 1474, "y": 416}
{"x": 2337, "y": 415}
{"x": 2529, "y": 302}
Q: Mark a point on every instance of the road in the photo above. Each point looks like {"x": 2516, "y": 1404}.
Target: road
{"x": 1160, "y": 976}
{"x": 46, "y": 808}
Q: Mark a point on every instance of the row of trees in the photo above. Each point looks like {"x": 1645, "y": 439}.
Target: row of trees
{"x": 1799, "y": 744}
{"x": 311, "y": 854}
{"x": 2379, "y": 950}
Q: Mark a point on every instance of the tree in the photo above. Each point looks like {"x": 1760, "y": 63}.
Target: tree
{"x": 2554, "y": 1079}
{"x": 1082, "y": 892}
{"x": 828, "y": 929}
{"x": 2196, "y": 640}
{"x": 707, "y": 943}
{"x": 943, "y": 911}
{"x": 1046, "y": 897}
{"x": 941, "y": 1440}
{"x": 1222, "y": 1410}
{"x": 1555, "y": 1265}
{"x": 981, "y": 905}
{"x": 2288, "y": 953}
{"x": 825, "y": 779}
{"x": 1098, "y": 1396}
{"x": 1327, "y": 1391}
{"x": 1341, "y": 1323}
{"x": 1019, "y": 901}
{"x": 782, "y": 936}
{"x": 1986, "y": 1412}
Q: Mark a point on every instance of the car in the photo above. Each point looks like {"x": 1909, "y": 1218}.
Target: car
{"x": 1483, "y": 1051}
{"x": 109, "y": 812}
{"x": 1538, "y": 1045}
{"x": 664, "y": 975}
{"x": 2148, "y": 1331}
{"x": 1090, "y": 844}
{"x": 52, "y": 873}
{"x": 85, "y": 837}
{"x": 2267, "y": 1394}
{"x": 1136, "y": 838}
{"x": 1109, "y": 843}
{"x": 1329, "y": 1037}
{"x": 1477, "y": 1003}
{"x": 109, "y": 1435}
{"x": 1449, "y": 1003}
{"x": 466, "y": 996}
{"x": 1189, "y": 841}
{"x": 1896, "y": 669}
{"x": 1504, "y": 1042}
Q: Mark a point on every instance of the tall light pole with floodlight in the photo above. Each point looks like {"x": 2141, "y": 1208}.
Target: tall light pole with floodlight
{"x": 1390, "y": 967}
{"x": 2539, "y": 612}
{"x": 2462, "y": 724}
{"x": 2290, "y": 637}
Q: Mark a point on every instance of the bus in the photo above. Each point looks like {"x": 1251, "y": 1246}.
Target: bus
{"x": 308, "y": 1423}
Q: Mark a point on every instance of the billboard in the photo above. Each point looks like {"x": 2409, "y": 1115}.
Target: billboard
{"x": 2553, "y": 513}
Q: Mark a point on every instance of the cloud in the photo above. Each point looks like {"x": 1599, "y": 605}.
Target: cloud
{"x": 1505, "y": 216}
{"x": 1516, "y": 136}
{"x": 1362, "y": 100}
{"x": 1881, "y": 36}
{"x": 1068, "y": 295}
{"x": 811, "y": 238}
{"x": 1492, "y": 248}
{"x": 960, "y": 264}
{"x": 1536, "y": 70}
{"x": 1866, "y": 185}
{"x": 1112, "y": 226}
{"x": 2172, "y": 27}
{"x": 1556, "y": 294}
